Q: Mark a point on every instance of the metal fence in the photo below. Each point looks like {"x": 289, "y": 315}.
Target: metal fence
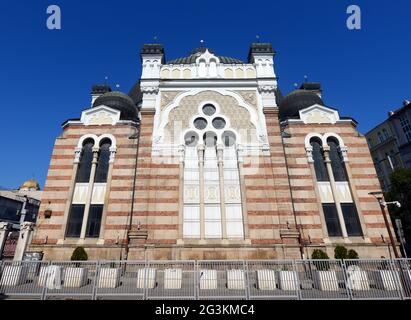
{"x": 207, "y": 279}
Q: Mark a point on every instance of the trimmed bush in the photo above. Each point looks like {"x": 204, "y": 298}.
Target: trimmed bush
{"x": 319, "y": 254}
{"x": 340, "y": 252}
{"x": 79, "y": 254}
{"x": 352, "y": 254}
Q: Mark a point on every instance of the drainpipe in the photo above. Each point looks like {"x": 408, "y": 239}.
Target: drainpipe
{"x": 300, "y": 241}
{"x": 127, "y": 246}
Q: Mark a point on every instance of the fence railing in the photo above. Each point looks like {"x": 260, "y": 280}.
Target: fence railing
{"x": 207, "y": 279}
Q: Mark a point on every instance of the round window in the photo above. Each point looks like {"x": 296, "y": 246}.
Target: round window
{"x": 210, "y": 139}
{"x": 200, "y": 123}
{"x": 218, "y": 123}
{"x": 191, "y": 139}
{"x": 209, "y": 109}
{"x": 228, "y": 138}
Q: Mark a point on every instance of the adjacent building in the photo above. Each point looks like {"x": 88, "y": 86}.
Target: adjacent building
{"x": 205, "y": 159}
{"x": 390, "y": 143}
{"x": 17, "y": 207}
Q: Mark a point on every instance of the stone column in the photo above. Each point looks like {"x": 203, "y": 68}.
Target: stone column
{"x": 334, "y": 190}
{"x": 181, "y": 153}
{"x": 4, "y": 230}
{"x": 240, "y": 162}
{"x": 24, "y": 237}
{"x": 220, "y": 161}
{"x": 200, "y": 150}
{"x": 89, "y": 193}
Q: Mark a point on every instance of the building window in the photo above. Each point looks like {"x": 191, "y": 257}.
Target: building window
{"x": 331, "y": 220}
{"x": 94, "y": 221}
{"x": 84, "y": 166}
{"x": 380, "y": 137}
{"x": 340, "y": 212}
{"x": 337, "y": 163}
{"x": 191, "y": 139}
{"x": 319, "y": 164}
{"x": 209, "y": 109}
{"x": 87, "y": 203}
{"x": 75, "y": 220}
{"x": 219, "y": 123}
{"x": 234, "y": 218}
{"x": 10, "y": 209}
{"x": 385, "y": 133}
{"x": 406, "y": 128}
{"x": 212, "y": 221}
{"x": 352, "y": 222}
{"x": 214, "y": 161}
{"x": 200, "y": 123}
{"x": 191, "y": 226}
{"x": 103, "y": 162}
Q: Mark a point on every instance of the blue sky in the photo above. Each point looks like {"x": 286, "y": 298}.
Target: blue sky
{"x": 46, "y": 76}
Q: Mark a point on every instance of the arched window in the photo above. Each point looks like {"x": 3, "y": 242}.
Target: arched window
{"x": 213, "y": 68}
{"x": 337, "y": 163}
{"x": 76, "y": 214}
{"x": 329, "y": 206}
{"x": 348, "y": 208}
{"x": 103, "y": 161}
{"x": 319, "y": 164}
{"x": 84, "y": 166}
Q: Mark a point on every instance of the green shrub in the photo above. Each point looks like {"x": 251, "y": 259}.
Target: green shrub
{"x": 352, "y": 254}
{"x": 340, "y": 252}
{"x": 79, "y": 254}
{"x": 319, "y": 254}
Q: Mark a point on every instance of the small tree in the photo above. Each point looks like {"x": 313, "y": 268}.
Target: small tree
{"x": 340, "y": 252}
{"x": 79, "y": 254}
{"x": 320, "y": 255}
{"x": 352, "y": 254}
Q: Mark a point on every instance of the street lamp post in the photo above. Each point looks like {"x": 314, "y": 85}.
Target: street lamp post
{"x": 383, "y": 204}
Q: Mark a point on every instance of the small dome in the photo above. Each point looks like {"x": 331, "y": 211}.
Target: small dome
{"x": 119, "y": 101}
{"x": 297, "y": 100}
{"x": 30, "y": 185}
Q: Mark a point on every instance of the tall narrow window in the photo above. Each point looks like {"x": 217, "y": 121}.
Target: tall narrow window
{"x": 84, "y": 166}
{"x": 103, "y": 162}
{"x": 319, "y": 164}
{"x": 191, "y": 212}
{"x": 212, "y": 210}
{"x": 234, "y": 214}
{"x": 352, "y": 222}
{"x": 337, "y": 163}
{"x": 349, "y": 211}
{"x": 94, "y": 221}
{"x": 331, "y": 220}
{"x": 75, "y": 220}
{"x": 405, "y": 125}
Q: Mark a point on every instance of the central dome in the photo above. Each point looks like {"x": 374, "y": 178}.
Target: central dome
{"x": 198, "y": 52}
{"x": 119, "y": 101}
